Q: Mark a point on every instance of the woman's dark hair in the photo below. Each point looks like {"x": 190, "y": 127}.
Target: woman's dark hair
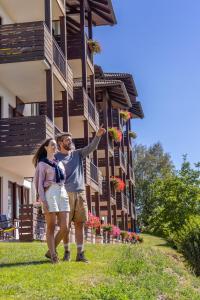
{"x": 41, "y": 152}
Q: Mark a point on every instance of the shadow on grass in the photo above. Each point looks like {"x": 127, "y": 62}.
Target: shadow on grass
{"x": 27, "y": 263}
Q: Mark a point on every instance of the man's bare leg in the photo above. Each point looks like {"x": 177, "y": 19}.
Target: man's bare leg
{"x": 79, "y": 235}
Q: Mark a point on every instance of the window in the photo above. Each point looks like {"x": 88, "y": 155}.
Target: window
{"x": 10, "y": 199}
{"x": 26, "y": 196}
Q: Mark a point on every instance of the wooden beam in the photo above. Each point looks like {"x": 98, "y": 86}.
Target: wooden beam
{"x": 83, "y": 44}
{"x": 102, "y": 15}
{"x": 63, "y": 35}
{"x": 49, "y": 94}
{"x": 100, "y": 6}
{"x": 89, "y": 198}
{"x": 48, "y": 14}
{"x": 65, "y": 111}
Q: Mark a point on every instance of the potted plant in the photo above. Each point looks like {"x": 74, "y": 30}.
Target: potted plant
{"x": 107, "y": 230}
{"x": 124, "y": 235}
{"x": 132, "y": 134}
{"x": 118, "y": 183}
{"x": 115, "y": 134}
{"x": 93, "y": 223}
{"x": 94, "y": 46}
{"x": 116, "y": 233}
{"x": 125, "y": 115}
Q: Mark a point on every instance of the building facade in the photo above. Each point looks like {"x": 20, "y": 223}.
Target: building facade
{"x": 49, "y": 84}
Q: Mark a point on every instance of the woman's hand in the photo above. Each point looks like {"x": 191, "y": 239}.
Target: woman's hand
{"x": 45, "y": 207}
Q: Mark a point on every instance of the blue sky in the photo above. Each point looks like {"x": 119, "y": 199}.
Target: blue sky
{"x": 158, "y": 41}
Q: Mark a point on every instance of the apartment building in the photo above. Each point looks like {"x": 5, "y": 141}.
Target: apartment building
{"x": 49, "y": 84}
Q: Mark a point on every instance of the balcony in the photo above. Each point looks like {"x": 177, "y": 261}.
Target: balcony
{"x": 130, "y": 174}
{"x": 83, "y": 106}
{"x": 59, "y": 58}
{"x": 75, "y": 55}
{"x": 117, "y": 120}
{"x": 122, "y": 201}
{"x": 19, "y": 139}
{"x": 26, "y": 51}
{"x": 131, "y": 210}
{"x": 22, "y": 135}
{"x": 25, "y": 42}
{"x": 93, "y": 176}
{"x": 104, "y": 196}
{"x": 103, "y": 144}
{"x": 120, "y": 160}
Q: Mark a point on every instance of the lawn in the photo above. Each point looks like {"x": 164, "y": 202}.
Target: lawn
{"x": 151, "y": 270}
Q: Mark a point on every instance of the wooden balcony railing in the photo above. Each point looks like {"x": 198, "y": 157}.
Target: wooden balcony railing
{"x": 122, "y": 201}
{"x": 132, "y": 174}
{"x": 92, "y": 111}
{"x": 23, "y": 135}
{"x": 74, "y": 47}
{"x": 104, "y": 196}
{"x": 70, "y": 81}
{"x": 93, "y": 175}
{"x": 83, "y": 106}
{"x": 59, "y": 58}
{"x": 119, "y": 158}
{"x": 25, "y": 42}
{"x": 103, "y": 143}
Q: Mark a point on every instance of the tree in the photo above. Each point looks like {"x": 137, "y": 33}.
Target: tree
{"x": 150, "y": 164}
{"x": 175, "y": 198}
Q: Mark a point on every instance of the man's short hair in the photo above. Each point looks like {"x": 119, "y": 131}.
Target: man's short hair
{"x": 61, "y": 136}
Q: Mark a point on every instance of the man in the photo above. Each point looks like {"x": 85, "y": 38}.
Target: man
{"x": 75, "y": 186}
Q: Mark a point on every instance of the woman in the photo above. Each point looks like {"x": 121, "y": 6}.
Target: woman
{"x": 49, "y": 182}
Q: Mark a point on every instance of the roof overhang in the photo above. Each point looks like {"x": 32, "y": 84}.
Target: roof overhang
{"x": 102, "y": 11}
{"x": 115, "y": 88}
{"x": 136, "y": 110}
{"x": 127, "y": 79}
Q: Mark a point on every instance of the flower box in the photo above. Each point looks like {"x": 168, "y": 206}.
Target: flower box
{"x": 119, "y": 184}
{"x": 94, "y": 46}
{"x": 125, "y": 115}
{"x": 115, "y": 134}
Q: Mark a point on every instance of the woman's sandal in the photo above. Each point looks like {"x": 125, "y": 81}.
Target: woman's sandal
{"x": 54, "y": 259}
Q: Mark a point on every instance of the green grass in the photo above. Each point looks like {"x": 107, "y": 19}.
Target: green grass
{"x": 151, "y": 270}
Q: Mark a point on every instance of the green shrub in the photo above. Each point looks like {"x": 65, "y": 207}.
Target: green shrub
{"x": 187, "y": 240}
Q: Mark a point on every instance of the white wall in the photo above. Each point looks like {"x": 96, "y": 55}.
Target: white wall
{"x": 7, "y": 98}
{"x": 5, "y": 18}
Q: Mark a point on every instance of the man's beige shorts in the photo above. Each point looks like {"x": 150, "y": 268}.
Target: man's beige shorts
{"x": 78, "y": 207}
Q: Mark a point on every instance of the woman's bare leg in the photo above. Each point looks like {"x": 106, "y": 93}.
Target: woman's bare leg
{"x": 51, "y": 222}
{"x": 63, "y": 218}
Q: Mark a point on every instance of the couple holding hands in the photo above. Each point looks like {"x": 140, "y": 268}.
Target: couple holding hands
{"x": 60, "y": 186}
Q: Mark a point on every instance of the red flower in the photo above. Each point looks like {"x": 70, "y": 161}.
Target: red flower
{"x": 118, "y": 183}
{"x": 93, "y": 221}
{"x": 115, "y": 133}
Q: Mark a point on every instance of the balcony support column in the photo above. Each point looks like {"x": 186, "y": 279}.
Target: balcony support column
{"x": 110, "y": 119}
{"x": 123, "y": 220}
{"x": 132, "y": 225}
{"x": 107, "y": 159}
{"x": 63, "y": 35}
{"x": 114, "y": 215}
{"x": 83, "y": 45}
{"x": 86, "y": 132}
{"x": 126, "y": 221}
{"x": 49, "y": 94}
{"x": 65, "y": 111}
{"x": 97, "y": 204}
{"x": 48, "y": 14}
{"x": 89, "y": 198}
